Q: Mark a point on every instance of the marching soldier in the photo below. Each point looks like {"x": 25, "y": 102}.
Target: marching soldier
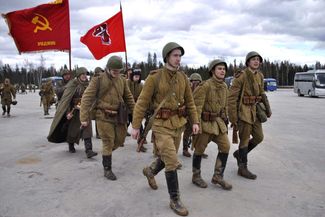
{"x": 246, "y": 91}
{"x": 7, "y": 92}
{"x": 47, "y": 96}
{"x": 211, "y": 104}
{"x": 66, "y": 125}
{"x": 60, "y": 87}
{"x": 195, "y": 80}
{"x": 169, "y": 91}
{"x": 136, "y": 86}
{"x": 108, "y": 93}
{"x": 98, "y": 71}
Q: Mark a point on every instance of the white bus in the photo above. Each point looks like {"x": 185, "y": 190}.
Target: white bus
{"x": 311, "y": 83}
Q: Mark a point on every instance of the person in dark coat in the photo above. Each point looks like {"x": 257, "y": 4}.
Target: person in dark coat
{"x": 66, "y": 126}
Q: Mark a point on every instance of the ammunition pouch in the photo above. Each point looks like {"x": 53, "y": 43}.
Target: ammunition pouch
{"x": 209, "y": 116}
{"x": 261, "y": 112}
{"x": 122, "y": 113}
{"x": 165, "y": 113}
{"x": 251, "y": 100}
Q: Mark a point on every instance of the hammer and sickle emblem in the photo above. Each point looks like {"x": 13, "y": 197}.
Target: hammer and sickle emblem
{"x": 41, "y": 24}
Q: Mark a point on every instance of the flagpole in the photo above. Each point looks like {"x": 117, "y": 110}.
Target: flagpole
{"x": 126, "y": 56}
{"x": 70, "y": 60}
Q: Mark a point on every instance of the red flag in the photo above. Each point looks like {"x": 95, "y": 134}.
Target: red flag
{"x": 44, "y": 27}
{"x": 107, "y": 37}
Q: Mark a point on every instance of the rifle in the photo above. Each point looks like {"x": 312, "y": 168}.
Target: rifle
{"x": 147, "y": 128}
{"x": 234, "y": 134}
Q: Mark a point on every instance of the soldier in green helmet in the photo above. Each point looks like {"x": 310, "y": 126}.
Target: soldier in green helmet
{"x": 246, "y": 92}
{"x": 107, "y": 93}
{"x": 66, "y": 125}
{"x": 168, "y": 91}
{"x": 60, "y": 86}
{"x": 195, "y": 80}
{"x": 211, "y": 104}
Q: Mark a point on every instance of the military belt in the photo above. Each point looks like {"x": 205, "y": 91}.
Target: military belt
{"x": 165, "y": 113}
{"x": 251, "y": 100}
{"x": 209, "y": 116}
{"x": 109, "y": 113}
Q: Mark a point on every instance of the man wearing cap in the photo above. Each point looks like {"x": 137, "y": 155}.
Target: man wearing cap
{"x": 169, "y": 90}
{"x": 107, "y": 93}
{"x": 7, "y": 93}
{"x": 136, "y": 86}
{"x": 66, "y": 125}
{"x": 211, "y": 104}
{"x": 246, "y": 91}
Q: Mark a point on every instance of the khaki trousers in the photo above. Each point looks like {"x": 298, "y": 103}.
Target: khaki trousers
{"x": 112, "y": 135}
{"x": 246, "y": 130}
{"x": 167, "y": 142}
{"x": 201, "y": 141}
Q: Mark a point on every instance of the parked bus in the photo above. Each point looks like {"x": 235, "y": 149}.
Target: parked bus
{"x": 54, "y": 80}
{"x": 311, "y": 83}
{"x": 270, "y": 84}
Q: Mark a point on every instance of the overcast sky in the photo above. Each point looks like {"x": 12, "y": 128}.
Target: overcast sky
{"x": 277, "y": 29}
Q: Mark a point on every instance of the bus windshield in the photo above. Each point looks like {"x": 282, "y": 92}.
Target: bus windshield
{"x": 320, "y": 79}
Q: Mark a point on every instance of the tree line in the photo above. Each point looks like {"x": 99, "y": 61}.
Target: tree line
{"x": 282, "y": 71}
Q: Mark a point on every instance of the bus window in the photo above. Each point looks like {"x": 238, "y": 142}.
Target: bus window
{"x": 270, "y": 84}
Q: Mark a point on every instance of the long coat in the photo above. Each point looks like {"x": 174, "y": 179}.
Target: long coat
{"x": 61, "y": 126}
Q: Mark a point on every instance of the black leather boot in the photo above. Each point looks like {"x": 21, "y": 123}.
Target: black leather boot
{"x": 186, "y": 153}
{"x": 153, "y": 170}
{"x": 219, "y": 169}
{"x": 8, "y": 111}
{"x": 175, "y": 202}
{"x": 251, "y": 146}
{"x": 71, "y": 148}
{"x": 196, "y": 169}
{"x": 242, "y": 167}
{"x": 4, "y": 110}
{"x": 107, "y": 163}
{"x": 89, "y": 148}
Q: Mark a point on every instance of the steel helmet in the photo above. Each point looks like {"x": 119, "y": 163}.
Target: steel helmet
{"x": 195, "y": 77}
{"x": 98, "y": 70}
{"x": 215, "y": 62}
{"x": 64, "y": 72}
{"x": 169, "y": 47}
{"x": 115, "y": 62}
{"x": 253, "y": 54}
{"x": 80, "y": 71}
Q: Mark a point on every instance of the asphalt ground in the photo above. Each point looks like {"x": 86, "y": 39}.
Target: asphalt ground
{"x": 38, "y": 178}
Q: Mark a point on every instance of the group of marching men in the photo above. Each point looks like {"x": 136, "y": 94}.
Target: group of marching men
{"x": 175, "y": 104}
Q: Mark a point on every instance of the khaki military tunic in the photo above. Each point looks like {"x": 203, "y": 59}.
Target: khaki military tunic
{"x": 244, "y": 115}
{"x": 7, "y": 91}
{"x": 211, "y": 103}
{"x": 112, "y": 133}
{"x": 175, "y": 86}
{"x": 47, "y": 95}
{"x": 135, "y": 88}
